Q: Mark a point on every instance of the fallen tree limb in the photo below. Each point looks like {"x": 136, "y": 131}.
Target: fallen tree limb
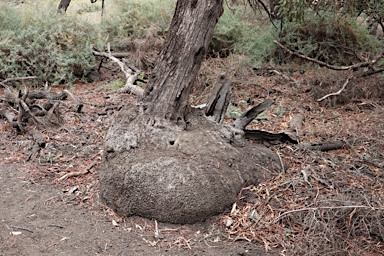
{"x": 17, "y": 79}
{"x": 333, "y": 67}
{"x": 129, "y": 74}
{"x": 39, "y": 107}
{"x": 284, "y": 76}
{"x": 74, "y": 174}
{"x": 338, "y": 92}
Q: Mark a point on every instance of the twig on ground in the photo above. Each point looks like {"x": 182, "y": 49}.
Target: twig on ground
{"x": 21, "y": 228}
{"x": 338, "y": 92}
{"x": 284, "y": 76}
{"x": 74, "y": 174}
{"x": 17, "y": 79}
{"x": 283, "y": 215}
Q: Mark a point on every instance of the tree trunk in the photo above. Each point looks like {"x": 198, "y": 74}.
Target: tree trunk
{"x": 63, "y": 6}
{"x": 180, "y": 60}
{"x": 167, "y": 161}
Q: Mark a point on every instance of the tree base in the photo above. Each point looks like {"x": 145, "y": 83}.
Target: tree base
{"x": 177, "y": 174}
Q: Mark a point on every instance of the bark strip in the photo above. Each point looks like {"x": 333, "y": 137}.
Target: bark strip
{"x": 251, "y": 114}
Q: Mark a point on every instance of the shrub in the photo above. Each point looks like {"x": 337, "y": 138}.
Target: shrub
{"x": 334, "y": 39}
{"x": 243, "y": 31}
{"x": 133, "y": 18}
{"x": 35, "y": 41}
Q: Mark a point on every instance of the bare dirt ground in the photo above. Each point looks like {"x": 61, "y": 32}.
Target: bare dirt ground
{"x": 323, "y": 203}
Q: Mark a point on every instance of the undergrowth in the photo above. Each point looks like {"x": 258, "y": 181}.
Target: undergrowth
{"x": 334, "y": 39}
{"x": 39, "y": 42}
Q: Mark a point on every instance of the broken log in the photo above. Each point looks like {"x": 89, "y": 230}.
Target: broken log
{"x": 128, "y": 72}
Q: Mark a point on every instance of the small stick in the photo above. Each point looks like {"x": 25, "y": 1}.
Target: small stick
{"x": 74, "y": 174}
{"x": 18, "y": 79}
{"x": 336, "y": 93}
{"x": 21, "y": 228}
{"x": 326, "y": 207}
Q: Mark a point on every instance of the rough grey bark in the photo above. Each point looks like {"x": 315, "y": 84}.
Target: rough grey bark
{"x": 63, "y": 5}
{"x": 180, "y": 60}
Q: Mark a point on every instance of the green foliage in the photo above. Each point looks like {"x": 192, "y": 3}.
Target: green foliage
{"x": 232, "y": 112}
{"x": 334, "y": 39}
{"x": 133, "y": 18}
{"x": 35, "y": 41}
{"x": 241, "y": 31}
{"x": 115, "y": 84}
{"x": 86, "y": 7}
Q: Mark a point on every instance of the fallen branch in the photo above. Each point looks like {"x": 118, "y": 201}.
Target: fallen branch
{"x": 284, "y": 76}
{"x": 333, "y": 67}
{"x": 21, "y": 228}
{"x": 129, "y": 74}
{"x": 74, "y": 174}
{"x": 17, "y": 79}
{"x": 338, "y": 92}
{"x": 258, "y": 135}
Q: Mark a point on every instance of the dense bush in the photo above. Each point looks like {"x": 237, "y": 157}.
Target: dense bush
{"x": 135, "y": 18}
{"x": 38, "y": 42}
{"x": 334, "y": 39}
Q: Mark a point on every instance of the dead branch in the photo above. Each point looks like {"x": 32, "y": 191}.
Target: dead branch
{"x": 247, "y": 117}
{"x": 53, "y": 117}
{"x": 338, "y": 92}
{"x": 17, "y": 79}
{"x": 333, "y": 67}
{"x": 45, "y": 94}
{"x": 74, "y": 174}
{"x": 284, "y": 76}
{"x": 10, "y": 117}
{"x": 25, "y": 109}
{"x": 20, "y": 107}
{"x": 131, "y": 78}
